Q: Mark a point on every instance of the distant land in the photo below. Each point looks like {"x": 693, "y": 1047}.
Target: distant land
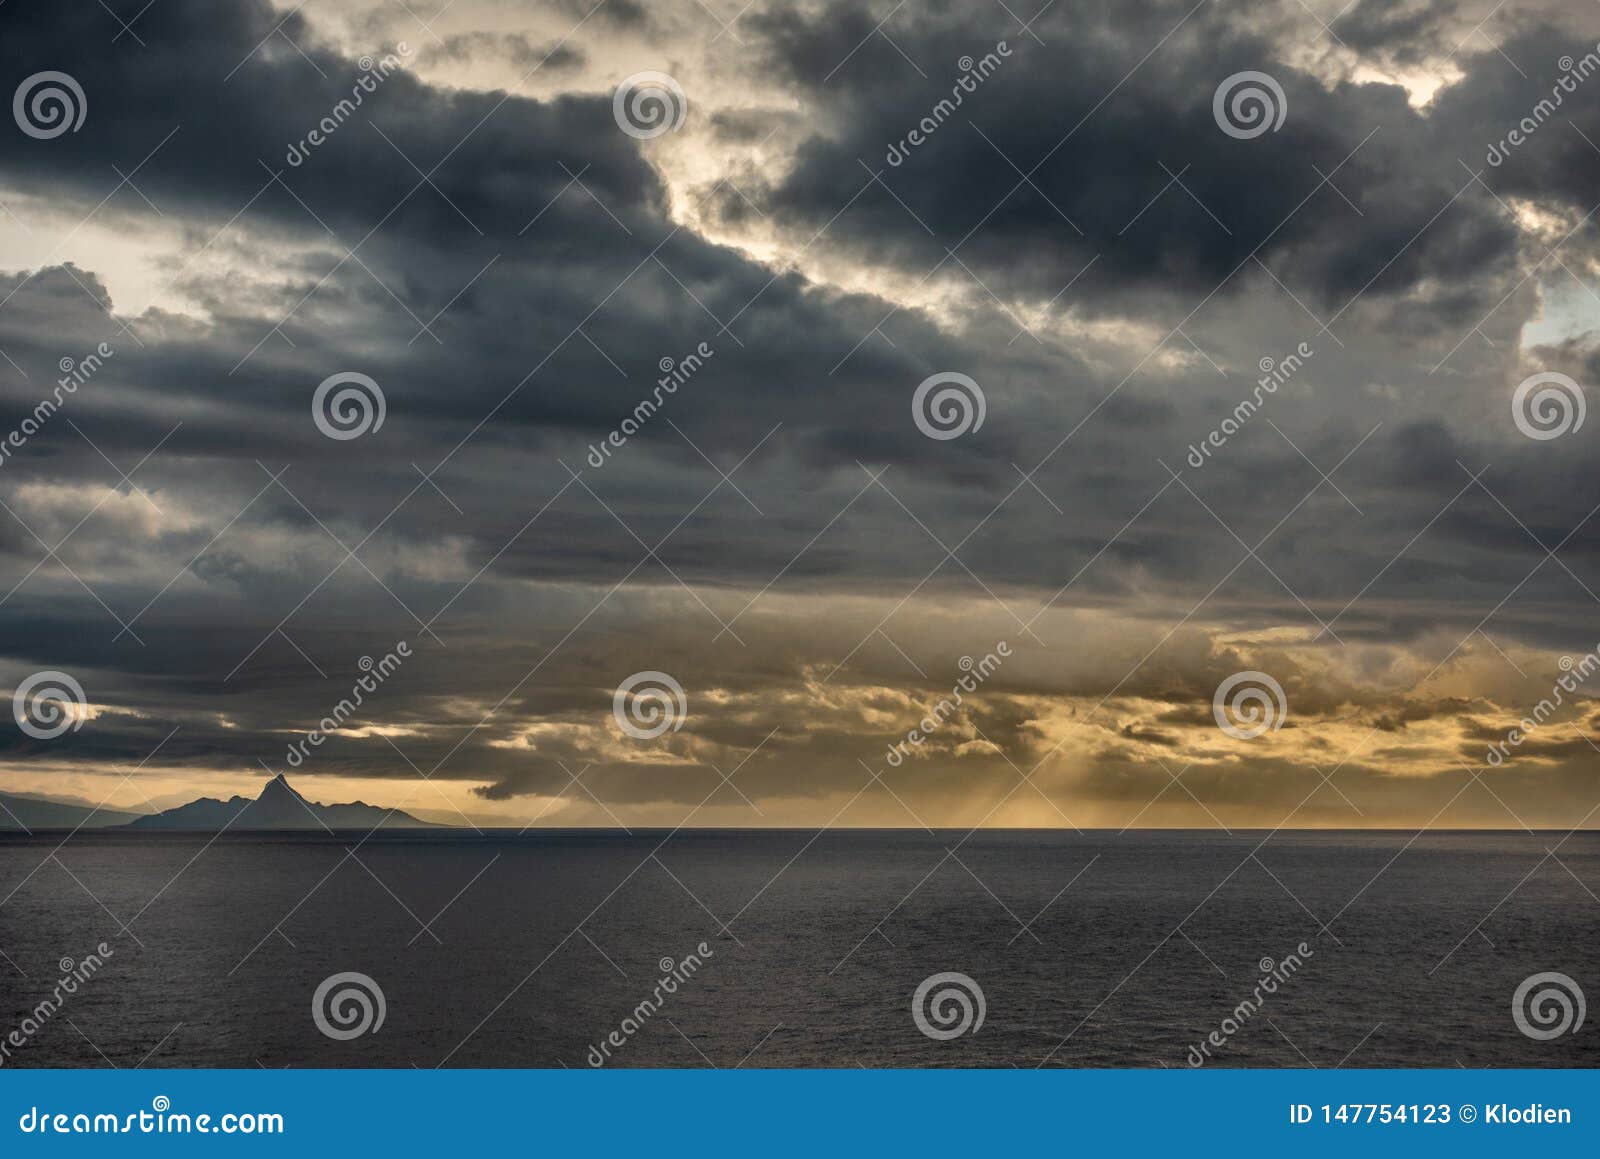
{"x": 278, "y": 807}
{"x": 26, "y": 811}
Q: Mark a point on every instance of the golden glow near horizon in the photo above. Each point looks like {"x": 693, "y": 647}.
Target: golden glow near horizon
{"x": 1371, "y": 736}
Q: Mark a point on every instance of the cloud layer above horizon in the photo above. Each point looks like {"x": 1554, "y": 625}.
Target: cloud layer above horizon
{"x": 650, "y": 404}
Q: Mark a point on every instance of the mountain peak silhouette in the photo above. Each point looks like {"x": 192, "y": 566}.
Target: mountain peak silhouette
{"x": 280, "y": 806}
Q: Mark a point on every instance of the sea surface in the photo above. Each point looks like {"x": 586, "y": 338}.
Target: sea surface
{"x": 532, "y": 950}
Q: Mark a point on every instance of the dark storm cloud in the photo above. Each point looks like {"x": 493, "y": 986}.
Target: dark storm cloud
{"x": 229, "y": 127}
{"x": 1103, "y": 172}
{"x": 598, "y": 254}
{"x": 1555, "y": 165}
{"x": 1408, "y": 30}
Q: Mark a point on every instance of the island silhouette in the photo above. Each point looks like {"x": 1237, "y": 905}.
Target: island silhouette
{"x": 280, "y": 806}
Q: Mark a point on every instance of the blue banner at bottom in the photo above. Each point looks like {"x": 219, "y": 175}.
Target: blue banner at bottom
{"x": 744, "y": 1113}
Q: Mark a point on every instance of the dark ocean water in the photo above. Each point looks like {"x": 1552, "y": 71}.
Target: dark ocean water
{"x": 546, "y": 942}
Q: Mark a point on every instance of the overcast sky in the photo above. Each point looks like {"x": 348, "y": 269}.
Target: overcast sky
{"x": 1103, "y": 250}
